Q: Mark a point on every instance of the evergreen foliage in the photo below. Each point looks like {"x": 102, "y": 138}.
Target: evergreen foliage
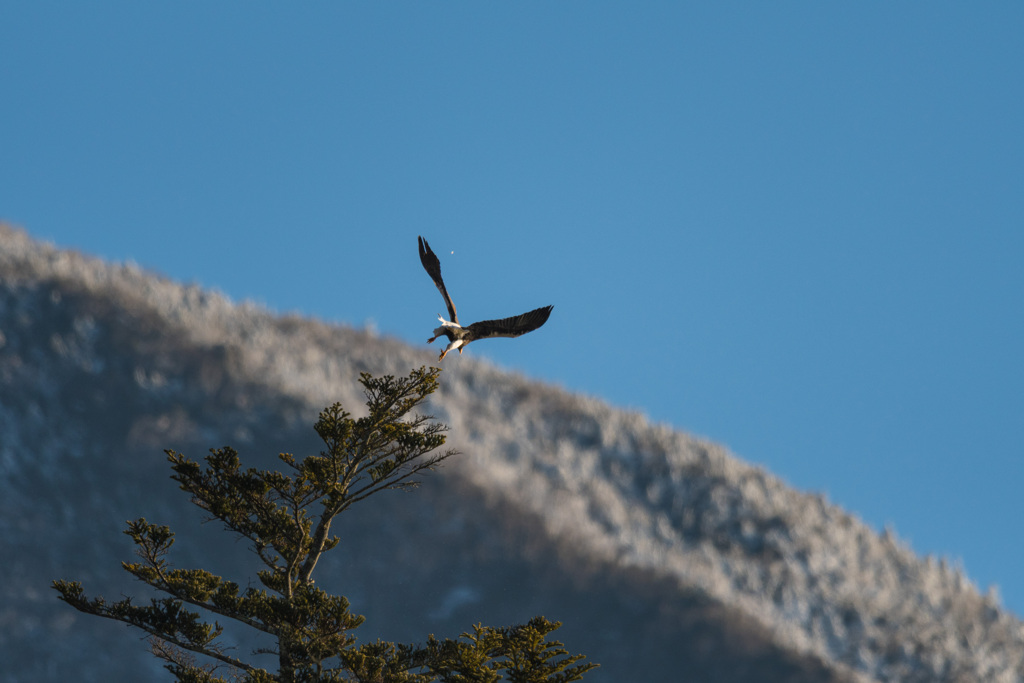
{"x": 287, "y": 520}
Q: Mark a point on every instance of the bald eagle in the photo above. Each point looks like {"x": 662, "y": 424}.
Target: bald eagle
{"x": 459, "y": 336}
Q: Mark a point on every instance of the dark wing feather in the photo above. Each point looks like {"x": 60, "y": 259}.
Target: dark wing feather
{"x": 432, "y": 265}
{"x": 510, "y": 327}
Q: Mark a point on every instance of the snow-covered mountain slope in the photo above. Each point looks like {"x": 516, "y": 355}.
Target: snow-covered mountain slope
{"x": 666, "y": 557}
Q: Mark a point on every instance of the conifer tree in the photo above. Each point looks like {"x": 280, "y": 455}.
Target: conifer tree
{"x": 286, "y": 519}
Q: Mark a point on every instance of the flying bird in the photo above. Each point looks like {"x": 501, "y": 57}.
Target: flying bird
{"x": 459, "y": 336}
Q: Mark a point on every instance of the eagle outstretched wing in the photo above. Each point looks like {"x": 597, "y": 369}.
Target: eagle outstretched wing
{"x": 433, "y": 267}
{"x": 510, "y": 327}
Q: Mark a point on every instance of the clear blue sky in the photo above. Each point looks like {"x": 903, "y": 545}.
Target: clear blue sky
{"x": 794, "y": 228}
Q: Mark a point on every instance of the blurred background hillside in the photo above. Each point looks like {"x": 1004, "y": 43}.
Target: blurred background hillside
{"x": 666, "y": 557}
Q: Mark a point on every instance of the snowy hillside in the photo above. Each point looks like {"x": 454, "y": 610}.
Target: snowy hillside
{"x": 666, "y": 557}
